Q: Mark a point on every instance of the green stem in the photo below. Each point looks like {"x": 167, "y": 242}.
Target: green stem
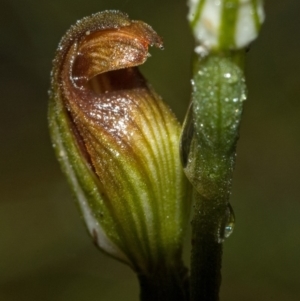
{"x": 218, "y": 94}
{"x": 165, "y": 285}
{"x": 206, "y": 259}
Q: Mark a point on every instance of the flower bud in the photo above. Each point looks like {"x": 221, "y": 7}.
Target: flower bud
{"x": 225, "y": 24}
{"x": 210, "y": 131}
{"x": 117, "y": 142}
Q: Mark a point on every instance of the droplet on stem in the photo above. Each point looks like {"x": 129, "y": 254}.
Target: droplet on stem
{"x": 227, "y": 224}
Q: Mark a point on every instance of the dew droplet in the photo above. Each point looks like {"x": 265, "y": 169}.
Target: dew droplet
{"x": 227, "y": 224}
{"x": 187, "y": 136}
{"x": 230, "y": 222}
{"x": 231, "y": 77}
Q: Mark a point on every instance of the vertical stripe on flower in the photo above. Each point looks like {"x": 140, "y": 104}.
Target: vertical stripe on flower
{"x": 118, "y": 142}
{"x": 225, "y": 24}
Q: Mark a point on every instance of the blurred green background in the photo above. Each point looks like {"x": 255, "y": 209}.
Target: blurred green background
{"x": 45, "y": 253}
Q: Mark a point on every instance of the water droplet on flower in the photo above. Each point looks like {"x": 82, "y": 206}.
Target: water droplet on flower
{"x": 227, "y": 224}
{"x": 187, "y": 136}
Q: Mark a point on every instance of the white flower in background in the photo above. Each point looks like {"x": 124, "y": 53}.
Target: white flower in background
{"x": 225, "y": 24}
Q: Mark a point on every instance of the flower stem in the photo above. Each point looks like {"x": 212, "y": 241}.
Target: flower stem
{"x": 206, "y": 258}
{"x": 222, "y": 30}
{"x": 208, "y": 153}
{"x": 165, "y": 285}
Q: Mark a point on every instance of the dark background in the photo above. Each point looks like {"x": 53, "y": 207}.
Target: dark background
{"x": 45, "y": 253}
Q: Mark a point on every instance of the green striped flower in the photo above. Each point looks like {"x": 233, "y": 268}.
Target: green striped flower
{"x": 225, "y": 24}
{"x": 117, "y": 142}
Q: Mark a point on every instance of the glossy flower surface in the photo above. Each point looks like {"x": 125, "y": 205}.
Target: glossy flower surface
{"x": 117, "y": 141}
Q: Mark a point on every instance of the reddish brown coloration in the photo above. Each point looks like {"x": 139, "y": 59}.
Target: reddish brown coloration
{"x": 118, "y": 142}
{"x": 98, "y": 83}
{"x": 103, "y": 42}
{"x": 112, "y": 49}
